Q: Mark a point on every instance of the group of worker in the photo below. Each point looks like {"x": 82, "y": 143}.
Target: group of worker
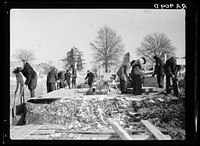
{"x": 54, "y": 80}
{"x": 62, "y": 79}
{"x": 136, "y": 77}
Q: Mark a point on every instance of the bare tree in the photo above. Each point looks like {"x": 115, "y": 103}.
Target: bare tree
{"x": 107, "y": 48}
{"x": 156, "y": 44}
{"x": 27, "y": 55}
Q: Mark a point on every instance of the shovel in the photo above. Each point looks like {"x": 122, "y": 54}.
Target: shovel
{"x": 14, "y": 108}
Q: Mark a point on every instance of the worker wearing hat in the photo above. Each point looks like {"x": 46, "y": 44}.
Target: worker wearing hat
{"x": 31, "y": 77}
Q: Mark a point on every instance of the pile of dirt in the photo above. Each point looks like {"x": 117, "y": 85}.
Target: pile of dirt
{"x": 166, "y": 112}
{"x": 75, "y": 112}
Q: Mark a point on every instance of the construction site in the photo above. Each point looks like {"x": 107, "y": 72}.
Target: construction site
{"x": 115, "y": 75}
{"x": 106, "y": 114}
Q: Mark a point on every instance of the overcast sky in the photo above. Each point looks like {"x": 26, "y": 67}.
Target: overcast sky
{"x": 53, "y": 32}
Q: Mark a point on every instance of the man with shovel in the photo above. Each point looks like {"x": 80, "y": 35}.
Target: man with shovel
{"x": 20, "y": 83}
{"x": 171, "y": 69}
{"x": 19, "y": 108}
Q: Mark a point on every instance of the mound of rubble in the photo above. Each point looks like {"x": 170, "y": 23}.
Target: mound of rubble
{"x": 164, "y": 111}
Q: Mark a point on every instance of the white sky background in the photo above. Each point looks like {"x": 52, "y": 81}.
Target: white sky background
{"x": 51, "y": 33}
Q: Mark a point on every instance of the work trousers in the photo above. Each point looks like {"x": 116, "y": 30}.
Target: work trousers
{"x": 90, "y": 83}
{"x": 32, "y": 85}
{"x": 62, "y": 84}
{"x": 68, "y": 83}
{"x": 160, "y": 78}
{"x": 123, "y": 85}
{"x": 32, "y": 92}
{"x": 137, "y": 84}
{"x": 73, "y": 82}
{"x": 51, "y": 87}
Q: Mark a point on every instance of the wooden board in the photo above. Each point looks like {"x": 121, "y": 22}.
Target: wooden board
{"x": 119, "y": 130}
{"x": 37, "y": 137}
{"x": 159, "y": 135}
{"x": 43, "y": 132}
{"x": 23, "y": 131}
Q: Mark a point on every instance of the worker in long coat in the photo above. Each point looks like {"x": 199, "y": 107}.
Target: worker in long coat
{"x": 159, "y": 71}
{"x": 123, "y": 73}
{"x": 137, "y": 76}
{"x": 52, "y": 78}
{"x": 31, "y": 77}
{"x": 171, "y": 69}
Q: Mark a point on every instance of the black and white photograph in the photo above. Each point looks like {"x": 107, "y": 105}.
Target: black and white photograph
{"x": 97, "y": 74}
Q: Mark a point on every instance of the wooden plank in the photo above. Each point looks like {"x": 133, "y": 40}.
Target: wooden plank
{"x": 43, "y": 132}
{"x": 143, "y": 131}
{"x": 37, "y": 137}
{"x": 119, "y": 130}
{"x": 13, "y": 128}
{"x": 140, "y": 137}
{"x": 159, "y": 135}
{"x": 50, "y": 127}
{"x": 23, "y": 131}
{"x": 103, "y": 137}
{"x": 94, "y": 137}
{"x": 86, "y": 132}
{"x": 86, "y": 136}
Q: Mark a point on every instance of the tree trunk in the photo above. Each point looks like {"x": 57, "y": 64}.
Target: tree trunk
{"x": 106, "y": 68}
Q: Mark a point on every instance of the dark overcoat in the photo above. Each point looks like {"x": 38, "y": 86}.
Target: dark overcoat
{"x": 29, "y": 73}
{"x": 159, "y": 66}
{"x": 52, "y": 76}
{"x": 170, "y": 67}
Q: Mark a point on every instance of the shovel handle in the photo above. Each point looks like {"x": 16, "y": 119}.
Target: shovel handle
{"x": 14, "y": 99}
{"x": 22, "y": 93}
